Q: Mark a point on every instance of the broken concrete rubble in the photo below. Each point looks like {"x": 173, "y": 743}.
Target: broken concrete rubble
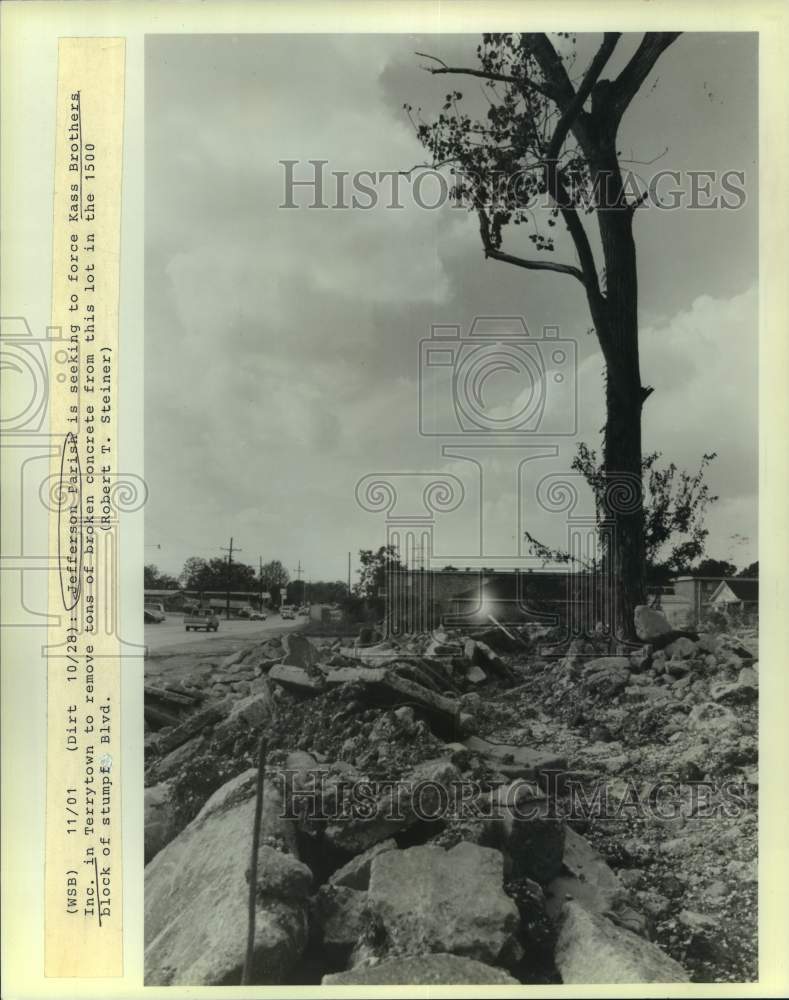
{"x": 439, "y": 646}
{"x": 168, "y": 766}
{"x": 423, "y": 970}
{"x": 516, "y": 762}
{"x": 282, "y": 876}
{"x": 592, "y": 949}
{"x": 607, "y": 675}
{"x": 681, "y": 648}
{"x": 253, "y": 711}
{"x": 531, "y": 839}
{"x": 379, "y": 655}
{"x": 417, "y": 796}
{"x": 651, "y": 624}
{"x": 586, "y": 878}
{"x": 355, "y": 874}
{"x": 231, "y": 660}
{"x": 443, "y": 712}
{"x": 427, "y": 899}
{"x": 341, "y": 915}
{"x": 160, "y": 820}
{"x": 480, "y": 654}
{"x": 399, "y": 715}
{"x": 297, "y": 679}
{"x": 733, "y": 694}
{"x": 163, "y": 742}
{"x": 299, "y": 651}
{"x": 196, "y": 895}
{"x": 712, "y": 718}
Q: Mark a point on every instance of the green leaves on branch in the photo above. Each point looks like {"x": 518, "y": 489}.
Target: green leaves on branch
{"x": 674, "y": 506}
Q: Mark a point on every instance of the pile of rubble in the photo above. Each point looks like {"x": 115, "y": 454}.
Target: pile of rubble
{"x": 371, "y": 869}
{"x": 688, "y": 748}
{"x": 703, "y": 683}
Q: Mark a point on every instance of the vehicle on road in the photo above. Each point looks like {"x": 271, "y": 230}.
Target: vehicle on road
{"x": 251, "y": 615}
{"x": 154, "y": 613}
{"x": 196, "y": 619}
{"x": 287, "y": 611}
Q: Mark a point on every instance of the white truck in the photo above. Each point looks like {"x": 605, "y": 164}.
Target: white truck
{"x": 197, "y": 619}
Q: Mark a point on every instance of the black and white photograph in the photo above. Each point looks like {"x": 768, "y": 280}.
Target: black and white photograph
{"x": 451, "y": 585}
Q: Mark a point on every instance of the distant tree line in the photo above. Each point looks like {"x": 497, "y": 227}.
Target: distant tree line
{"x": 675, "y": 503}
{"x": 203, "y": 575}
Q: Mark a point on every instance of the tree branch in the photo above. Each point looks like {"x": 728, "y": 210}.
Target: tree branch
{"x": 588, "y": 267}
{"x": 625, "y": 87}
{"x": 575, "y": 104}
{"x": 534, "y": 265}
{"x": 443, "y": 69}
{"x": 570, "y": 103}
{"x": 560, "y": 89}
{"x": 631, "y": 208}
{"x": 508, "y": 258}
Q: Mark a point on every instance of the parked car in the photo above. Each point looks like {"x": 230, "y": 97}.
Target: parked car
{"x": 251, "y": 615}
{"x": 201, "y": 618}
{"x": 287, "y": 611}
{"x": 154, "y": 613}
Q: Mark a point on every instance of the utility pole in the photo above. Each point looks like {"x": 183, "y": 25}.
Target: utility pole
{"x": 349, "y": 574}
{"x": 229, "y": 564}
{"x": 260, "y": 576}
{"x": 298, "y": 571}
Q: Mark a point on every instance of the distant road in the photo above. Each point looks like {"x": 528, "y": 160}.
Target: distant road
{"x": 171, "y": 633}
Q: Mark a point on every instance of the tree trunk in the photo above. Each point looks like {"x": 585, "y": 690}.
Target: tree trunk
{"x": 622, "y": 505}
{"x": 622, "y": 509}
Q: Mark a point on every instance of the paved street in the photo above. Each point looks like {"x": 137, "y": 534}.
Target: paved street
{"x": 171, "y": 633}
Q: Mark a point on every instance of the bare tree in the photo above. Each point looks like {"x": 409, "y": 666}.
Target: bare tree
{"x": 549, "y": 137}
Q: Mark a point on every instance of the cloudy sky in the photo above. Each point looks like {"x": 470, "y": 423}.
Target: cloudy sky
{"x": 283, "y": 346}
